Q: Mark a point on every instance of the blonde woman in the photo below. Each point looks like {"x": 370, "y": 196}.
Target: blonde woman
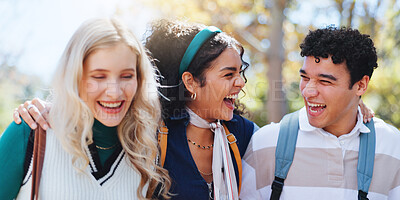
{"x": 102, "y": 141}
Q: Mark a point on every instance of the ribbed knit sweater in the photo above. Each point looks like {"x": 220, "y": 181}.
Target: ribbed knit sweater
{"x": 109, "y": 175}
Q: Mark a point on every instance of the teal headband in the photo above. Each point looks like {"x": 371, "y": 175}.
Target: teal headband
{"x": 195, "y": 45}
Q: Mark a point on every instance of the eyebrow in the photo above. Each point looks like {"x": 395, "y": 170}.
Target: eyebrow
{"x": 99, "y": 70}
{"x": 105, "y": 70}
{"x": 328, "y": 76}
{"x": 228, "y": 68}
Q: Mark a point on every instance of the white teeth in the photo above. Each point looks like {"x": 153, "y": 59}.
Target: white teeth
{"x": 232, "y": 96}
{"x": 315, "y": 105}
{"x": 110, "y": 105}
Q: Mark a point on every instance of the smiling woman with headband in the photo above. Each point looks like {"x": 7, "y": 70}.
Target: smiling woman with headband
{"x": 203, "y": 75}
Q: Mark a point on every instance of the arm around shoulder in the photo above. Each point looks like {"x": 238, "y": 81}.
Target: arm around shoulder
{"x": 13, "y": 144}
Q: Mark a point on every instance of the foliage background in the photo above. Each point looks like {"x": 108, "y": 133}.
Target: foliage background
{"x": 271, "y": 31}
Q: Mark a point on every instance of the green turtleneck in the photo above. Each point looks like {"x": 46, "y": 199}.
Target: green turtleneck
{"x": 13, "y": 145}
{"x": 104, "y": 136}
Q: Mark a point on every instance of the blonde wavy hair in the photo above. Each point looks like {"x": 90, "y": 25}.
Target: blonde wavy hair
{"x": 72, "y": 120}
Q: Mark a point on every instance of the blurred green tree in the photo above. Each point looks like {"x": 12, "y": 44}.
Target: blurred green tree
{"x": 15, "y": 88}
{"x": 271, "y": 31}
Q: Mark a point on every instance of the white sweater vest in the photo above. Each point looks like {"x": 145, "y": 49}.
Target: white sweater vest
{"x": 61, "y": 181}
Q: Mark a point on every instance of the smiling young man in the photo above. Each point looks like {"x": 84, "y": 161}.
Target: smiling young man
{"x": 337, "y": 68}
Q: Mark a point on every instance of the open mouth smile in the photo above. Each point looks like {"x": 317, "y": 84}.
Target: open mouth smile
{"x": 230, "y": 100}
{"x": 315, "y": 108}
{"x": 111, "y": 106}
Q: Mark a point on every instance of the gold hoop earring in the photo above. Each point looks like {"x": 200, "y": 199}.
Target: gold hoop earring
{"x": 193, "y": 96}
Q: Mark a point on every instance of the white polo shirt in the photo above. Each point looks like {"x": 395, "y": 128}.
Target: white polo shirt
{"x": 324, "y": 166}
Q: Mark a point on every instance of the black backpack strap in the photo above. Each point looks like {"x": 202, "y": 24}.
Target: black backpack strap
{"x": 277, "y": 186}
{"x": 362, "y": 195}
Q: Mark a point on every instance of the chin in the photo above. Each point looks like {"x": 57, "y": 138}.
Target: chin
{"x": 110, "y": 122}
{"x": 227, "y": 117}
{"x": 315, "y": 123}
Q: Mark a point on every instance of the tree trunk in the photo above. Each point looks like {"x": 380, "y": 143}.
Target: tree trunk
{"x": 350, "y": 18}
{"x": 276, "y": 101}
{"x": 339, "y": 4}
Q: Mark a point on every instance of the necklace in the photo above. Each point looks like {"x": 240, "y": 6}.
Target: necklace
{"x": 205, "y": 174}
{"x": 200, "y": 146}
{"x": 106, "y": 148}
{"x": 210, "y": 191}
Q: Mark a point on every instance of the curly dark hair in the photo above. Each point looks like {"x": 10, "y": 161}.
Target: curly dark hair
{"x": 344, "y": 45}
{"x": 167, "y": 42}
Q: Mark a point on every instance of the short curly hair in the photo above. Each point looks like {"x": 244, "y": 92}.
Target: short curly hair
{"x": 343, "y": 45}
{"x": 167, "y": 43}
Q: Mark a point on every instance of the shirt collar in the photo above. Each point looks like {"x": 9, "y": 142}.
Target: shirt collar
{"x": 306, "y": 126}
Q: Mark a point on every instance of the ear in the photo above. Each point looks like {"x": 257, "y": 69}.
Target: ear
{"x": 189, "y": 81}
{"x": 362, "y": 85}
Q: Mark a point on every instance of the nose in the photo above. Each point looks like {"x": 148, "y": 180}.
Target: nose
{"x": 114, "y": 90}
{"x": 239, "y": 82}
{"x": 309, "y": 90}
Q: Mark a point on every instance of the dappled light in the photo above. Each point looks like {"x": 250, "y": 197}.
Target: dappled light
{"x": 271, "y": 32}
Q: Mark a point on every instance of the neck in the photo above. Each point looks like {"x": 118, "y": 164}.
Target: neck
{"x": 198, "y": 128}
{"x": 200, "y": 113}
{"x": 344, "y": 125}
{"x": 200, "y": 135}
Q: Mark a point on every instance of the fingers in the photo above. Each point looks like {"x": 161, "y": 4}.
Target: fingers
{"x": 43, "y": 109}
{"x": 363, "y": 111}
{"x": 23, "y": 112}
{"x": 368, "y": 114}
{"x": 366, "y": 117}
{"x": 16, "y": 117}
{"x": 33, "y": 112}
{"x": 39, "y": 113}
{"x": 371, "y": 114}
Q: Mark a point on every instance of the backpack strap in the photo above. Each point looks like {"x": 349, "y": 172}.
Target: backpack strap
{"x": 287, "y": 144}
{"x": 162, "y": 141}
{"x": 232, "y": 143}
{"x": 284, "y": 152}
{"x": 366, "y": 157}
{"x": 163, "y": 138}
{"x": 39, "y": 147}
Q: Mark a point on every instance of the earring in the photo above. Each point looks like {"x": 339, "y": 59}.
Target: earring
{"x": 193, "y": 96}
